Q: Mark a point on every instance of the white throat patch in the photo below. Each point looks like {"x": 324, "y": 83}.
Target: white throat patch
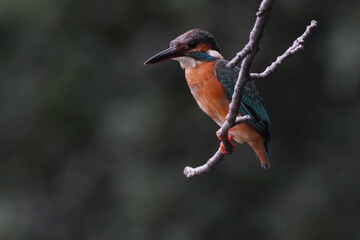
{"x": 191, "y": 62}
{"x": 186, "y": 62}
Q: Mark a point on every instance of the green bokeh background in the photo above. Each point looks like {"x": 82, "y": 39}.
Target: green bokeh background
{"x": 93, "y": 144}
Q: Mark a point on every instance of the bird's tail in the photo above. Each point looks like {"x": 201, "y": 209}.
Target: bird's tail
{"x": 261, "y": 149}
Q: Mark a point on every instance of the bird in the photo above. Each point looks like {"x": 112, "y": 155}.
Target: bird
{"x": 212, "y": 85}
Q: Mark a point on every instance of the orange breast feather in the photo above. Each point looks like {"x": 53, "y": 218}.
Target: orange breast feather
{"x": 209, "y": 93}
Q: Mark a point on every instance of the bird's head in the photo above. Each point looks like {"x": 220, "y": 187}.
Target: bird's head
{"x": 190, "y": 48}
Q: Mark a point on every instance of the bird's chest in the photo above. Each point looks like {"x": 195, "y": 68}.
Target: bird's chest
{"x": 208, "y": 92}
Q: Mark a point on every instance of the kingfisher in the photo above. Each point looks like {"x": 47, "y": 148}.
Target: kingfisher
{"x": 212, "y": 85}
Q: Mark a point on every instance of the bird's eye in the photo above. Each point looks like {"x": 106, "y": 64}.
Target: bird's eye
{"x": 192, "y": 45}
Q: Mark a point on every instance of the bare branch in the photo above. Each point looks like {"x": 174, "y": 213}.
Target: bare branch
{"x": 217, "y": 157}
{"x": 241, "y": 55}
{"x": 256, "y": 32}
{"x": 193, "y": 172}
{"x": 245, "y": 56}
{"x": 296, "y": 47}
{"x": 250, "y": 50}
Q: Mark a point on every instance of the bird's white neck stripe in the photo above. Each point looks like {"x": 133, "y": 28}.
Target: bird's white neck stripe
{"x": 215, "y": 53}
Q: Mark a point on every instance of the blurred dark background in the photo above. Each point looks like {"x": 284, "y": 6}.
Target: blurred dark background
{"x": 93, "y": 143}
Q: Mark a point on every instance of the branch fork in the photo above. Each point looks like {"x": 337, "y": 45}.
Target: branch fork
{"x": 245, "y": 57}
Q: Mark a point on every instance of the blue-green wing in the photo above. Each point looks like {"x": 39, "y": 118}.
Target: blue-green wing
{"x": 251, "y": 102}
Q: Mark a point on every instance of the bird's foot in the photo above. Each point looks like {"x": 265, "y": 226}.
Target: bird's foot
{"x": 226, "y": 145}
{"x": 228, "y": 149}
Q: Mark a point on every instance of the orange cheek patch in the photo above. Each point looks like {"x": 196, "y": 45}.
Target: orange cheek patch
{"x": 202, "y": 47}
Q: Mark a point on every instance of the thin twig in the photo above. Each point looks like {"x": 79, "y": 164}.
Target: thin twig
{"x": 295, "y": 48}
{"x": 241, "y": 55}
{"x": 255, "y": 34}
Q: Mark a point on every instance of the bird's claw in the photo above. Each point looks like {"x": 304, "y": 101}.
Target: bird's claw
{"x": 226, "y": 150}
{"x": 229, "y": 148}
{"x": 218, "y": 136}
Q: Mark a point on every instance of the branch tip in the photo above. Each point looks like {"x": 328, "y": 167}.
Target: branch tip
{"x": 193, "y": 172}
{"x": 313, "y": 23}
{"x": 296, "y": 47}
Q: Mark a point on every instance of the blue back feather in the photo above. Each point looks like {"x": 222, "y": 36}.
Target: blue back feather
{"x": 251, "y": 102}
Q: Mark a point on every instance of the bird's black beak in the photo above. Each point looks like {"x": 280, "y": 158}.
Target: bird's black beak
{"x": 167, "y": 54}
